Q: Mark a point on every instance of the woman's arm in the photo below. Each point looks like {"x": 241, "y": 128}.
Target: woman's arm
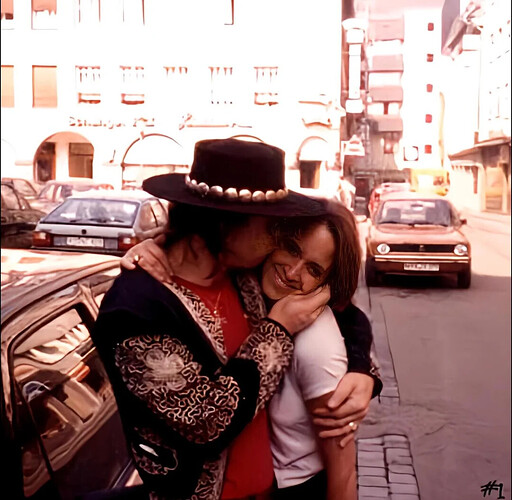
{"x": 340, "y": 463}
{"x": 350, "y": 401}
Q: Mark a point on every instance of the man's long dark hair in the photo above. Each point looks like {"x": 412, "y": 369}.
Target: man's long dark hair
{"x": 210, "y": 224}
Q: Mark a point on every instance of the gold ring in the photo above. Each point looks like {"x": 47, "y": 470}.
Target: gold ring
{"x": 353, "y": 426}
{"x": 136, "y": 258}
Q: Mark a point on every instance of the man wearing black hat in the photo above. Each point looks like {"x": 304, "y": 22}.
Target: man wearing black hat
{"x": 194, "y": 361}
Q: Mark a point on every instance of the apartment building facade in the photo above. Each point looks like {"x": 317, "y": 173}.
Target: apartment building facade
{"x": 477, "y": 126}
{"x": 119, "y": 90}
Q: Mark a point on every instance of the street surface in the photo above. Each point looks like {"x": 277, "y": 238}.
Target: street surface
{"x": 444, "y": 355}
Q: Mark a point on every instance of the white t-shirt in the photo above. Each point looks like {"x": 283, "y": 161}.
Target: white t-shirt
{"x": 319, "y": 362}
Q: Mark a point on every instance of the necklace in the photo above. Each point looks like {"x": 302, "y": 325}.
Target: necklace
{"x": 214, "y": 309}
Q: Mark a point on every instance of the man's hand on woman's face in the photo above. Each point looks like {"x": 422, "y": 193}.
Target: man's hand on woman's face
{"x": 346, "y": 408}
{"x": 149, "y": 255}
{"x": 297, "y": 310}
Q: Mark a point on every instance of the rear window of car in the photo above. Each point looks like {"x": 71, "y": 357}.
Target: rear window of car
{"x": 97, "y": 212}
{"x": 434, "y": 212}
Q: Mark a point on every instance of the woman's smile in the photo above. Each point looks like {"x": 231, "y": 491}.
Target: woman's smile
{"x": 282, "y": 282}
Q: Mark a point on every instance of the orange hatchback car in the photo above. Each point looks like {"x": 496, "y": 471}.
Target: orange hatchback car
{"x": 415, "y": 234}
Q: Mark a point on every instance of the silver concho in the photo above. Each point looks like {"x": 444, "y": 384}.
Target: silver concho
{"x": 231, "y": 194}
{"x": 270, "y": 195}
{"x": 203, "y": 188}
{"x": 258, "y": 196}
{"x": 281, "y": 193}
{"x": 245, "y": 195}
{"x": 216, "y": 191}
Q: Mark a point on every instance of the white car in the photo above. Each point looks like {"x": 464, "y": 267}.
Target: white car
{"x": 108, "y": 222}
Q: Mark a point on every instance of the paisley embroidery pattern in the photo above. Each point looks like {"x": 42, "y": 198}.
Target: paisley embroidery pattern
{"x": 272, "y": 349}
{"x": 250, "y": 291}
{"x": 161, "y": 371}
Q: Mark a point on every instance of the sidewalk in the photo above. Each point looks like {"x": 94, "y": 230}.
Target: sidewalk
{"x": 490, "y": 221}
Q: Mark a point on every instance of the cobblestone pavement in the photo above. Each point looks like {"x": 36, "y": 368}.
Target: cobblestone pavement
{"x": 385, "y": 469}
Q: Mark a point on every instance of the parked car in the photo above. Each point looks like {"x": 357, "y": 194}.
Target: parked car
{"x": 416, "y": 234}
{"x": 102, "y": 221}
{"x": 384, "y": 188}
{"x": 23, "y": 186}
{"x": 18, "y": 219}
{"x": 55, "y": 192}
{"x": 61, "y": 432}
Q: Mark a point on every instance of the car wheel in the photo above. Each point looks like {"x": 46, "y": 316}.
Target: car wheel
{"x": 371, "y": 275}
{"x": 464, "y": 279}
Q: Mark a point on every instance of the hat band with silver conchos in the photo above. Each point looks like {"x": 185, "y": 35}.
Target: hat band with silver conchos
{"x": 232, "y": 194}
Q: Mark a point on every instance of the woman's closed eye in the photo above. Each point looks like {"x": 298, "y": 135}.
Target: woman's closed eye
{"x": 291, "y": 246}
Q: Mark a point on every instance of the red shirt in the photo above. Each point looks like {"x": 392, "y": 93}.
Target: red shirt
{"x": 249, "y": 468}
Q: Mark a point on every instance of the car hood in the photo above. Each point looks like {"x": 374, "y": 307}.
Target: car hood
{"x": 391, "y": 233}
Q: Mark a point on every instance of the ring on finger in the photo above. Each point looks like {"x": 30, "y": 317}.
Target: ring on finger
{"x": 353, "y": 426}
{"x": 136, "y": 258}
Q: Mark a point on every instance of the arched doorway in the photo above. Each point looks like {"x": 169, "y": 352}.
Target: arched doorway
{"x": 152, "y": 154}
{"x": 64, "y": 154}
{"x": 312, "y": 153}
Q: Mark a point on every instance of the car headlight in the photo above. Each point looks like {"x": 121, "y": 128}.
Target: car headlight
{"x": 383, "y": 248}
{"x": 460, "y": 250}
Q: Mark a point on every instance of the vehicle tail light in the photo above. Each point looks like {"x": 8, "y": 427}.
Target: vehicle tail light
{"x": 126, "y": 242}
{"x": 41, "y": 239}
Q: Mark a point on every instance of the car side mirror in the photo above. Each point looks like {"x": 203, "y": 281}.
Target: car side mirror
{"x": 463, "y": 221}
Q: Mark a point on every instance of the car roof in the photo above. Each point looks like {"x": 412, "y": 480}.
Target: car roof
{"x": 113, "y": 194}
{"x": 28, "y": 275}
{"x": 410, "y": 195}
{"x": 76, "y": 180}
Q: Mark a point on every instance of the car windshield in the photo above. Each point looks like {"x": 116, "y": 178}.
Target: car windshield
{"x": 412, "y": 212}
{"x": 98, "y": 212}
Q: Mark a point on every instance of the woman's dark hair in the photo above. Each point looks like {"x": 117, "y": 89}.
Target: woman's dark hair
{"x": 210, "y": 224}
{"x": 343, "y": 275}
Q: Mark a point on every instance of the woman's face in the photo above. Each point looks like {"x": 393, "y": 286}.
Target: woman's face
{"x": 299, "y": 265}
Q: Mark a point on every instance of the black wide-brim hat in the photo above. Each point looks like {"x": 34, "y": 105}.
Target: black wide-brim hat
{"x": 238, "y": 176}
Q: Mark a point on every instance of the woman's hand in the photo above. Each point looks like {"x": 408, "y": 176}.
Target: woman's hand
{"x": 297, "y": 310}
{"x": 346, "y": 408}
{"x": 149, "y": 255}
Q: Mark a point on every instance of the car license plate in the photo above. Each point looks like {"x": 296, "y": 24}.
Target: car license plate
{"x": 80, "y": 241}
{"x": 416, "y": 266}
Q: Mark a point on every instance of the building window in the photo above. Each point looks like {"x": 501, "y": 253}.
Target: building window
{"x": 80, "y": 158}
{"x": 228, "y": 11}
{"x": 7, "y": 86}
{"x": 88, "y": 84}
{"x": 176, "y": 82}
{"x": 221, "y": 89}
{"x": 132, "y": 85}
{"x": 44, "y": 86}
{"x": 428, "y": 149}
{"x": 88, "y": 12}
{"x": 428, "y": 118}
{"x": 430, "y": 57}
{"x": 430, "y": 27}
{"x": 266, "y": 85}
{"x": 133, "y": 12}
{"x": 44, "y": 14}
{"x": 7, "y": 14}
{"x": 430, "y": 87}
